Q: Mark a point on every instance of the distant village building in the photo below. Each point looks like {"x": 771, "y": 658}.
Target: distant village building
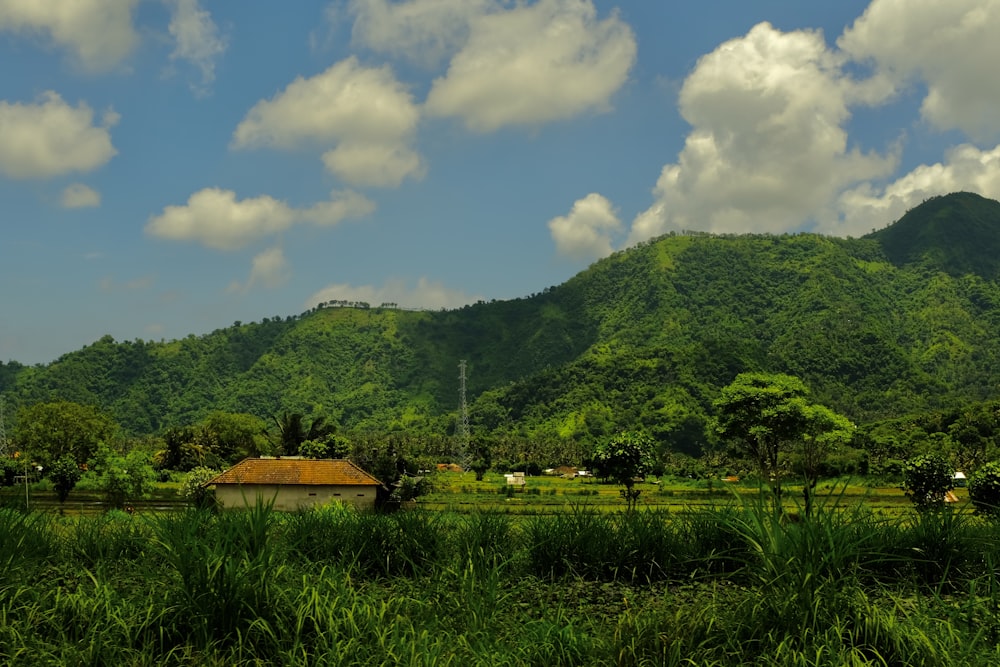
{"x": 293, "y": 483}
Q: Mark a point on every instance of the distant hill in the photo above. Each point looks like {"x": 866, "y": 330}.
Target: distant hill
{"x": 902, "y": 321}
{"x": 957, "y": 233}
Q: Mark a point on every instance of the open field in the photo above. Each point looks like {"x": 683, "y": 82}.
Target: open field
{"x": 460, "y": 492}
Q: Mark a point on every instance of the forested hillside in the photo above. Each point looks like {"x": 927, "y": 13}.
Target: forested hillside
{"x": 900, "y": 322}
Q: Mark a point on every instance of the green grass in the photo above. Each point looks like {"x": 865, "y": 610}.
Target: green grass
{"x": 728, "y": 584}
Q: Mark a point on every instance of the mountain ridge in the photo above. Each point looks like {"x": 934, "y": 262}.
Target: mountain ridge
{"x": 642, "y": 339}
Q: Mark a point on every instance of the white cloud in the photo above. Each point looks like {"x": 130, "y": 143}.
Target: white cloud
{"x": 51, "y": 137}
{"x": 534, "y": 64}
{"x": 966, "y": 168}
{"x": 372, "y": 163}
{"x": 425, "y": 294}
{"x": 79, "y": 195}
{"x": 952, "y": 46}
{"x": 98, "y": 32}
{"x": 196, "y": 37}
{"x": 269, "y": 270}
{"x": 216, "y": 219}
{"x": 361, "y": 114}
{"x": 768, "y": 151}
{"x": 424, "y": 31}
{"x": 586, "y": 232}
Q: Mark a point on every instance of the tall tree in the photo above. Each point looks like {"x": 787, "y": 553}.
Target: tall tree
{"x": 292, "y": 431}
{"x": 622, "y": 459}
{"x": 763, "y": 414}
{"x": 49, "y": 431}
{"x": 824, "y": 432}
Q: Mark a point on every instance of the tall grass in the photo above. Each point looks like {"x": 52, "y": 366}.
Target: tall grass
{"x": 224, "y": 574}
{"x": 26, "y": 540}
{"x": 738, "y": 585}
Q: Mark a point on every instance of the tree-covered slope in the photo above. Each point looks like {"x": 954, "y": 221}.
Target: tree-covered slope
{"x": 957, "y": 233}
{"x": 642, "y": 339}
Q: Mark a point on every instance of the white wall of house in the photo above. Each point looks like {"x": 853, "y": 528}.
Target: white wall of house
{"x": 290, "y": 497}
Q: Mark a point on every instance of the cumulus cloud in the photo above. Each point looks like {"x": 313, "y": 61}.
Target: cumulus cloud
{"x": 951, "y": 46}
{"x": 50, "y": 137}
{"x": 196, "y": 39}
{"x": 425, "y": 294}
{"x": 587, "y": 231}
{"x": 422, "y": 31}
{"x": 269, "y": 269}
{"x": 216, "y": 219}
{"x": 99, "y": 33}
{"x": 768, "y": 150}
{"x": 534, "y": 64}
{"x": 965, "y": 168}
{"x": 79, "y": 195}
{"x": 364, "y": 115}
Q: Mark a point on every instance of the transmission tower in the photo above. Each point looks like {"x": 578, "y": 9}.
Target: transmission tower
{"x": 462, "y": 435}
{"x": 3, "y": 431}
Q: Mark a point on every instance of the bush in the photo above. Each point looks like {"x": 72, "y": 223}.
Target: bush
{"x": 984, "y": 489}
{"x": 927, "y": 479}
{"x": 193, "y": 489}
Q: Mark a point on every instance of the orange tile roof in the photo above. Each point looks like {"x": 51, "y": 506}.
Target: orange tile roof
{"x": 327, "y": 472}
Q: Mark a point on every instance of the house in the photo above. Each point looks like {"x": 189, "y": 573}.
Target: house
{"x": 293, "y": 483}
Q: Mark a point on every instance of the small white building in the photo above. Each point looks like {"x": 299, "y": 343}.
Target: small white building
{"x": 293, "y": 483}
{"x": 515, "y": 479}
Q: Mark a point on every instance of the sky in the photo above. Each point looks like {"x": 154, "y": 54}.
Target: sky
{"x": 171, "y": 167}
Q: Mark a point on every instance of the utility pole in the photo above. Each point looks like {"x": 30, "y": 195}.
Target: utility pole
{"x": 462, "y": 431}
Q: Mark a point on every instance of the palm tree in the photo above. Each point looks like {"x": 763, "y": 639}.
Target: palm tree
{"x": 292, "y": 431}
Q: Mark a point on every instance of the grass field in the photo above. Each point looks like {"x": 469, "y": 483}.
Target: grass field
{"x": 460, "y": 492}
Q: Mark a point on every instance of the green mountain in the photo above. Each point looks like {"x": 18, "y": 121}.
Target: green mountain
{"x": 957, "y": 233}
{"x": 900, "y": 322}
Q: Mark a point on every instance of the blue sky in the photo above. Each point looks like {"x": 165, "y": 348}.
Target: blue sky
{"x": 169, "y": 167}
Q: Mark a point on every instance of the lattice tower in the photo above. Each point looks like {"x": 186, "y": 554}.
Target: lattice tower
{"x": 3, "y": 431}
{"x": 462, "y": 436}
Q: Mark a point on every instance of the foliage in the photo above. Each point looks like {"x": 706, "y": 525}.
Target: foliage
{"x": 49, "y": 431}
{"x": 927, "y": 479}
{"x": 984, "y": 489}
{"x": 10, "y": 467}
{"x": 769, "y": 418}
{"x": 480, "y": 466}
{"x": 182, "y": 450}
{"x": 411, "y": 487}
{"x": 824, "y": 432}
{"x": 293, "y": 431}
{"x": 64, "y": 473}
{"x": 232, "y": 437}
{"x": 764, "y": 415}
{"x": 622, "y": 459}
{"x": 123, "y": 478}
{"x": 193, "y": 488}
